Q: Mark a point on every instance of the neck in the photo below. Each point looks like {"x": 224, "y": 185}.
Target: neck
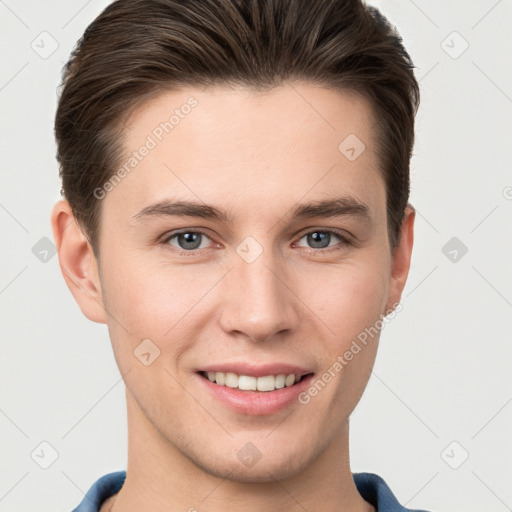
{"x": 161, "y": 477}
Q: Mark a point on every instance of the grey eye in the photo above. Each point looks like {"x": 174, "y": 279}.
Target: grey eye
{"x": 187, "y": 240}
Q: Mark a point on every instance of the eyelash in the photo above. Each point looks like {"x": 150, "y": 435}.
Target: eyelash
{"x": 193, "y": 252}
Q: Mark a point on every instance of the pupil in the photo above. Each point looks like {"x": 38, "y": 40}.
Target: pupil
{"x": 190, "y": 240}
{"x": 316, "y": 237}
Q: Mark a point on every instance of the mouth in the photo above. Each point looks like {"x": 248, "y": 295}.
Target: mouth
{"x": 266, "y": 394}
{"x": 248, "y": 383}
{"x": 267, "y": 389}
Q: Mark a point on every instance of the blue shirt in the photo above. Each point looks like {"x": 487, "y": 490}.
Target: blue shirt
{"x": 371, "y": 487}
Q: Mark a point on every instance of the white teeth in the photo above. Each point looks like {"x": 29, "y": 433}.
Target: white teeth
{"x": 265, "y": 383}
{"x": 290, "y": 379}
{"x": 231, "y": 380}
{"x": 280, "y": 381}
{"x": 248, "y": 383}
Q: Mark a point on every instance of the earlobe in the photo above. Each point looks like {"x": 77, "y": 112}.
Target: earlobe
{"x": 401, "y": 259}
{"x": 77, "y": 262}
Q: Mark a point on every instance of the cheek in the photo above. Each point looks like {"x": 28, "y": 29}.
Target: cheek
{"x": 154, "y": 301}
{"x": 347, "y": 298}
{"x": 147, "y": 294}
{"x": 352, "y": 307}
{"x": 147, "y": 303}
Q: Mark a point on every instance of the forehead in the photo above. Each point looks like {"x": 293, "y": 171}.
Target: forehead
{"x": 249, "y": 148}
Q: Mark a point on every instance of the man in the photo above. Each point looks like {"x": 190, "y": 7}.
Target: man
{"x": 236, "y": 181}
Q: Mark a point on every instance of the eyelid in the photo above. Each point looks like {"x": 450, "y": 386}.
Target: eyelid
{"x": 338, "y": 232}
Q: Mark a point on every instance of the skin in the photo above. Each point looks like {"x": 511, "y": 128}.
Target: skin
{"x": 255, "y": 155}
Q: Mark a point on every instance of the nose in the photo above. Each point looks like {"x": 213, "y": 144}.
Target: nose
{"x": 258, "y": 301}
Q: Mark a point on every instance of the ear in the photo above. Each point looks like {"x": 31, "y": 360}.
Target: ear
{"x": 401, "y": 259}
{"x": 77, "y": 262}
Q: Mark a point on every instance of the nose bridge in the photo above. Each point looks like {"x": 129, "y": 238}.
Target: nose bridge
{"x": 259, "y": 302}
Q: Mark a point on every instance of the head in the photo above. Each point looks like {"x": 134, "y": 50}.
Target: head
{"x": 256, "y": 109}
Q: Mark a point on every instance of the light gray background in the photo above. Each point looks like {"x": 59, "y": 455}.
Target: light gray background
{"x": 443, "y": 369}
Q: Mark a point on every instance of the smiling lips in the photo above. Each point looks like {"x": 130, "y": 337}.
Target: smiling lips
{"x": 255, "y": 390}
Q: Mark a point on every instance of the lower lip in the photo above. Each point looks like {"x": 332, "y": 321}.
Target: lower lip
{"x": 256, "y": 402}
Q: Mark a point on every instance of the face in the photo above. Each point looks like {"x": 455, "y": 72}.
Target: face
{"x": 266, "y": 282}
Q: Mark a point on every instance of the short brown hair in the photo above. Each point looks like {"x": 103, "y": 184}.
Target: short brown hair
{"x": 137, "y": 48}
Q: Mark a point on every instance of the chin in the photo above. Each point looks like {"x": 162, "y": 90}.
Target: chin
{"x": 261, "y": 472}
{"x": 261, "y": 468}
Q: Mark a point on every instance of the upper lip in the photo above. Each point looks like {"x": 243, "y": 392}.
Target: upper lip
{"x": 253, "y": 370}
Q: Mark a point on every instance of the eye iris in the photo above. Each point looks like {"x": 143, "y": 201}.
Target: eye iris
{"x": 190, "y": 240}
{"x": 317, "y": 237}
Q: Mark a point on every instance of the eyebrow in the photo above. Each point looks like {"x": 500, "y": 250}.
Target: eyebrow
{"x": 337, "y": 207}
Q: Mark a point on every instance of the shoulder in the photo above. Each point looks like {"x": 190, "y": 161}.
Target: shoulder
{"x": 376, "y": 491}
{"x": 100, "y": 491}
